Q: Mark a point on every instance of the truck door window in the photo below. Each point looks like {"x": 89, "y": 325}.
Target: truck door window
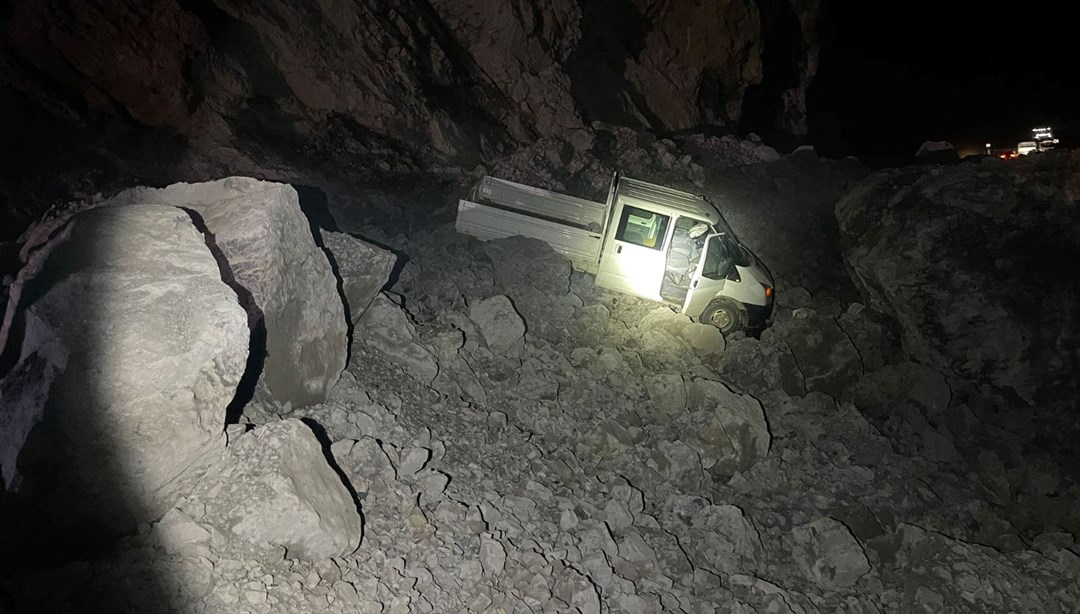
{"x": 642, "y": 227}
{"x": 718, "y": 259}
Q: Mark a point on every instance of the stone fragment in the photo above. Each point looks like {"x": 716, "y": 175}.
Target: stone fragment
{"x": 499, "y": 324}
{"x": 728, "y": 430}
{"x": 363, "y": 268}
{"x": 275, "y": 487}
{"x": 828, "y": 554}
{"x": 492, "y": 555}
{"x": 385, "y": 327}
{"x": 667, "y": 392}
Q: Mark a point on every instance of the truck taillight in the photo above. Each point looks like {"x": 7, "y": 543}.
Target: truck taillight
{"x": 768, "y": 292}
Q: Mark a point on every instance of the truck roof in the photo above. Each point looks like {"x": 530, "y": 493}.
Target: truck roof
{"x": 677, "y": 200}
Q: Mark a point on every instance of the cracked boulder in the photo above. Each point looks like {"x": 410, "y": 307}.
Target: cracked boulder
{"x": 286, "y": 283}
{"x": 976, "y": 265}
{"x": 130, "y": 347}
{"x": 826, "y": 357}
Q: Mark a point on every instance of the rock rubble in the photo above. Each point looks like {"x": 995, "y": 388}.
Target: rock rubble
{"x": 514, "y": 439}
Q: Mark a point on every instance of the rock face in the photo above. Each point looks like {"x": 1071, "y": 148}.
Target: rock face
{"x": 283, "y": 89}
{"x": 269, "y": 250}
{"x": 130, "y": 352}
{"x": 977, "y": 265}
{"x": 276, "y": 488}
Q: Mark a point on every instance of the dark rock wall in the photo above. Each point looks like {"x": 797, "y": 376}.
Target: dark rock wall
{"x": 337, "y": 93}
{"x": 977, "y": 264}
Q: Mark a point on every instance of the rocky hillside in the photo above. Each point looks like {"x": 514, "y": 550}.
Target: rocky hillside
{"x": 507, "y": 437}
{"x": 341, "y": 95}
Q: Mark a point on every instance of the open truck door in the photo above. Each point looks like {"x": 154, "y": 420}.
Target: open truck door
{"x": 703, "y": 300}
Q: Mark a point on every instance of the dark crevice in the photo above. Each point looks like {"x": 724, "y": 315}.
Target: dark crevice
{"x": 612, "y": 31}
{"x": 782, "y": 63}
{"x": 256, "y": 358}
{"x": 314, "y": 205}
{"x": 324, "y": 441}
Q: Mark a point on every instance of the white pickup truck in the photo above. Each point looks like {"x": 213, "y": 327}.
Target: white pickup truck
{"x": 637, "y": 242}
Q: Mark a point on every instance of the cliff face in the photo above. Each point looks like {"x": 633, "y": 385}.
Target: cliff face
{"x": 329, "y": 93}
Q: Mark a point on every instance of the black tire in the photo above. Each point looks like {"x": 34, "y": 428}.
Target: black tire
{"x": 725, "y": 314}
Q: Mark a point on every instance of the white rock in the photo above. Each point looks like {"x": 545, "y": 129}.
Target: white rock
{"x": 735, "y": 435}
{"x": 704, "y": 338}
{"x": 385, "y": 327}
{"x": 492, "y": 555}
{"x": 766, "y": 153}
{"x": 667, "y": 392}
{"x": 177, "y": 532}
{"x": 277, "y": 488}
{"x": 266, "y": 239}
{"x": 723, "y": 540}
{"x": 138, "y": 346}
{"x": 413, "y": 460}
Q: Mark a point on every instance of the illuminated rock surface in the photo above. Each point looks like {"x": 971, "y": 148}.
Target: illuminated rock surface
{"x": 275, "y": 487}
{"x": 130, "y": 353}
{"x": 293, "y": 294}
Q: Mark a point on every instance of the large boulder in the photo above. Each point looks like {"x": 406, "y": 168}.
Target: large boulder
{"x": 277, "y": 488}
{"x": 978, "y": 266}
{"x": 269, "y": 251}
{"x": 130, "y": 346}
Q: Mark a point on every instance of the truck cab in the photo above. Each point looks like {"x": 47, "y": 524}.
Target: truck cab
{"x": 634, "y": 243}
{"x": 726, "y": 285}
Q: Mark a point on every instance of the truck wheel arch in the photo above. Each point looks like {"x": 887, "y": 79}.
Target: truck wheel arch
{"x": 726, "y": 314}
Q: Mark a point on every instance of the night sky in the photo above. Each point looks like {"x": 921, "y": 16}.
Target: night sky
{"x": 893, "y": 75}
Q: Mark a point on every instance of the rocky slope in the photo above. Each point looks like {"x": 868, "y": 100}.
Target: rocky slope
{"x": 341, "y": 95}
{"x": 523, "y": 443}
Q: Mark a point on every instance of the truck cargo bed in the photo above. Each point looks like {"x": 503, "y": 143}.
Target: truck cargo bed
{"x": 584, "y": 214}
{"x": 580, "y": 246}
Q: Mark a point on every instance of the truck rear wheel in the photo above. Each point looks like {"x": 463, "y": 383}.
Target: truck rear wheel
{"x": 725, "y": 314}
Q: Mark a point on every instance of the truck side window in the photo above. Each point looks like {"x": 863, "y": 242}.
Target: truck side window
{"x": 718, "y": 259}
{"x": 642, "y": 227}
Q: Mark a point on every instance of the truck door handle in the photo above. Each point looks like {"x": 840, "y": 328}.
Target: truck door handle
{"x": 694, "y": 284}
{"x": 618, "y": 249}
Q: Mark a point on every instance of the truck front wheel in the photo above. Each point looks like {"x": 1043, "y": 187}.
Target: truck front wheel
{"x": 725, "y": 314}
